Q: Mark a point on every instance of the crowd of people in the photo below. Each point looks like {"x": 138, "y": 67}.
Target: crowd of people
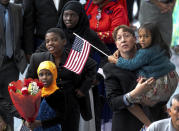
{"x": 128, "y": 77}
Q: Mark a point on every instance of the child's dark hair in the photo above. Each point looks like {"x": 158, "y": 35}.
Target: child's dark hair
{"x": 125, "y": 29}
{"x": 57, "y": 31}
{"x": 156, "y": 36}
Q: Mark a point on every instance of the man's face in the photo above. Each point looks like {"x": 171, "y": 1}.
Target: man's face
{"x": 125, "y": 41}
{"x": 4, "y": 2}
{"x": 174, "y": 113}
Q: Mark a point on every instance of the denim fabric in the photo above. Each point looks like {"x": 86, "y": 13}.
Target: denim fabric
{"x": 46, "y": 112}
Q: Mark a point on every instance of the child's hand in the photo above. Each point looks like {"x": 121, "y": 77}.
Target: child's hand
{"x": 112, "y": 59}
{"x": 116, "y": 54}
{"x": 139, "y": 78}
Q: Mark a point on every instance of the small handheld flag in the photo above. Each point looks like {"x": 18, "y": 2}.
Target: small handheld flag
{"x": 78, "y": 55}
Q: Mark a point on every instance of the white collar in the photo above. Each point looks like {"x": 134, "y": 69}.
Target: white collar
{"x": 56, "y": 2}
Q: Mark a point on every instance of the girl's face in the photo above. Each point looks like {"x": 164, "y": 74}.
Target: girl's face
{"x": 70, "y": 18}
{"x": 54, "y": 43}
{"x": 145, "y": 38}
{"x": 46, "y": 77}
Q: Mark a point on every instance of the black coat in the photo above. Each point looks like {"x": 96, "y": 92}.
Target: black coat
{"x": 118, "y": 82}
{"x": 57, "y": 102}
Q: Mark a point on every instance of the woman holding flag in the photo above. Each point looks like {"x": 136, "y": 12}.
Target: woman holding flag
{"x": 75, "y": 87}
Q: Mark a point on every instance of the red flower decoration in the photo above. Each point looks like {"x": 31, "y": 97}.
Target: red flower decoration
{"x": 27, "y": 81}
{"x": 40, "y": 84}
{"x": 26, "y": 104}
{"x": 12, "y": 87}
{"x": 24, "y": 91}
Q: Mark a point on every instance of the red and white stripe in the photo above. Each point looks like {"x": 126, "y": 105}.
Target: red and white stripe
{"x": 76, "y": 60}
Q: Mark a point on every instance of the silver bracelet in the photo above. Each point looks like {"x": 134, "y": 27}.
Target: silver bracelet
{"x": 129, "y": 98}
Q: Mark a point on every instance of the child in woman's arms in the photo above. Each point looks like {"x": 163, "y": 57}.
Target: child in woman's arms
{"x": 152, "y": 60}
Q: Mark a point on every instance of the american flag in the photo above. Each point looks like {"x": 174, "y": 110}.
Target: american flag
{"x": 78, "y": 55}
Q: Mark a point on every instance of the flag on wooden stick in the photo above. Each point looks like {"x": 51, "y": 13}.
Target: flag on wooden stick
{"x": 78, "y": 55}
